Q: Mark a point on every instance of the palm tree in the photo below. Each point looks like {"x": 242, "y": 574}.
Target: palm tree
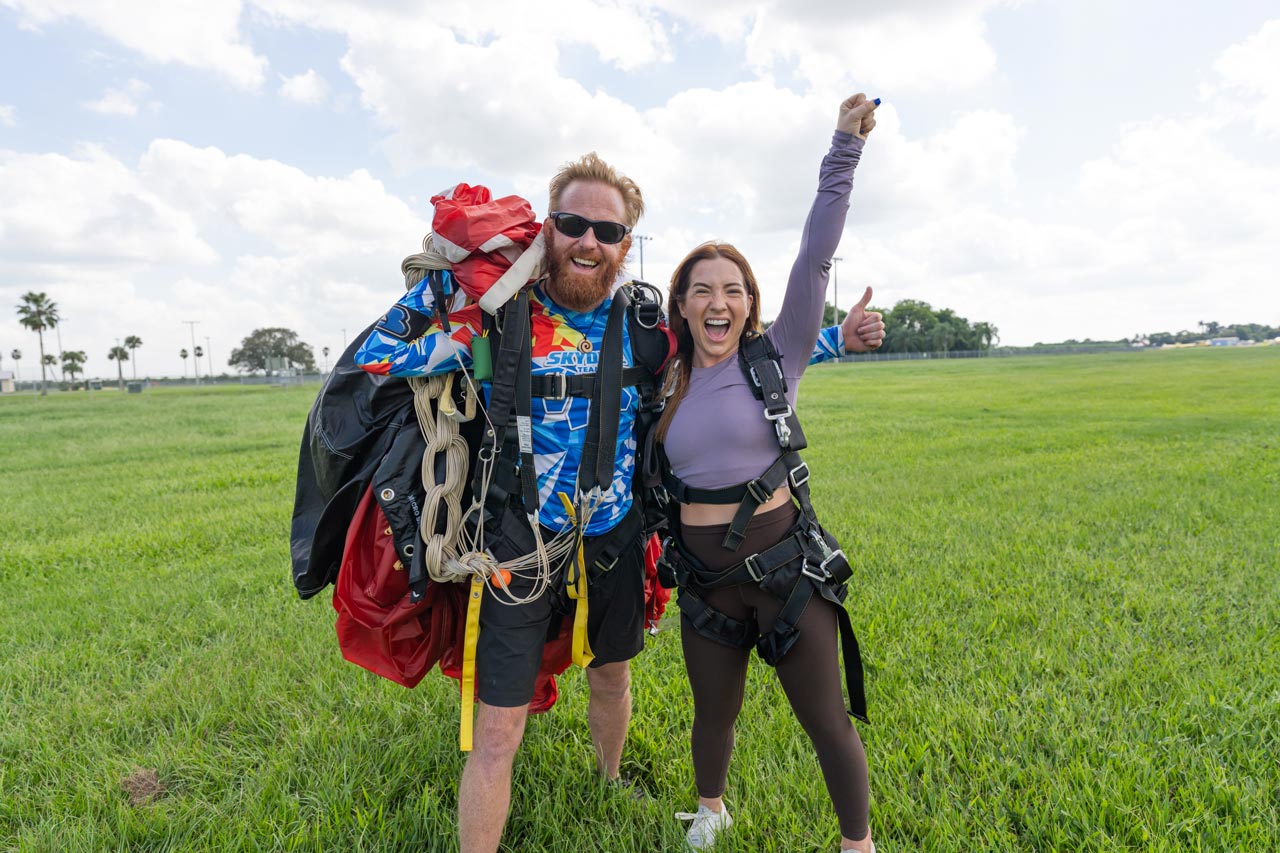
{"x": 49, "y": 361}
{"x": 16, "y": 355}
{"x": 199, "y": 353}
{"x": 185, "y": 355}
{"x": 119, "y": 355}
{"x": 73, "y": 364}
{"x": 38, "y": 312}
{"x": 325, "y": 350}
{"x": 133, "y": 342}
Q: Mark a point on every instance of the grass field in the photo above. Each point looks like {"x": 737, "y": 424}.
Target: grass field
{"x": 1067, "y": 592}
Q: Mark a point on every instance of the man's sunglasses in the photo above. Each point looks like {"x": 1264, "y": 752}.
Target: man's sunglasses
{"x": 573, "y": 225}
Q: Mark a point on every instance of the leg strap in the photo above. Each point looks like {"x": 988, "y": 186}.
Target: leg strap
{"x": 713, "y": 624}
{"x": 773, "y": 645}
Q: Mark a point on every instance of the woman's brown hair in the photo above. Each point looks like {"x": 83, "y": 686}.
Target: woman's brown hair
{"x": 676, "y": 381}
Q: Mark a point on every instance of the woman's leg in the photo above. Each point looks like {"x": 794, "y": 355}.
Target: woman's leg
{"x": 717, "y": 676}
{"x": 810, "y": 676}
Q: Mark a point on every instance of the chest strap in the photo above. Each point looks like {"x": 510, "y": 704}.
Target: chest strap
{"x": 558, "y": 386}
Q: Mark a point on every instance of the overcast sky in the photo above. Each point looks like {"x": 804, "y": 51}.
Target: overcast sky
{"x": 1079, "y": 168}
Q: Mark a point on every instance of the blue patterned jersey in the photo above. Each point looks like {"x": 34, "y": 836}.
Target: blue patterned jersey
{"x": 565, "y": 342}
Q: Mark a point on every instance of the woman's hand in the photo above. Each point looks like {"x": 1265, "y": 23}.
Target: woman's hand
{"x": 857, "y": 115}
{"x": 863, "y": 330}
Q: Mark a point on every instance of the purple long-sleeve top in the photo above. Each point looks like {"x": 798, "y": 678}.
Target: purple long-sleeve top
{"x": 719, "y": 435}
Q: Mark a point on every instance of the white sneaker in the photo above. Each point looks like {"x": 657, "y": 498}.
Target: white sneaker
{"x": 706, "y": 824}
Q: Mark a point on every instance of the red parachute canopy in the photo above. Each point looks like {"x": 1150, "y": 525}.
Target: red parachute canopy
{"x": 481, "y": 236}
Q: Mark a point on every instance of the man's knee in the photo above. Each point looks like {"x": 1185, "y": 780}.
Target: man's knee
{"x": 498, "y": 732}
{"x": 611, "y": 681}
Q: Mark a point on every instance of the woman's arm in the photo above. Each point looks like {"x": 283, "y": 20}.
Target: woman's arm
{"x": 796, "y": 329}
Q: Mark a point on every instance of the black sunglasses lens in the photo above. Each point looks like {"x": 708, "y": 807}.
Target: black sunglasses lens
{"x": 609, "y": 232}
{"x": 572, "y": 225}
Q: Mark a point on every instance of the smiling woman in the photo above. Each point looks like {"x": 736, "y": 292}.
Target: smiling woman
{"x": 755, "y": 567}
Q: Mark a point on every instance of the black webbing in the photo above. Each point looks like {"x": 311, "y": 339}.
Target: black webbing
{"x": 558, "y": 386}
{"x": 599, "y": 448}
{"x": 524, "y": 413}
{"x": 512, "y": 342}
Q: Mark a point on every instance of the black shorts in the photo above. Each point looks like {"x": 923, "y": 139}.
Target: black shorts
{"x": 509, "y": 648}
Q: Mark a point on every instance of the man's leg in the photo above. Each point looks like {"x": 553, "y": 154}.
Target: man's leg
{"x": 484, "y": 795}
{"x": 609, "y": 713}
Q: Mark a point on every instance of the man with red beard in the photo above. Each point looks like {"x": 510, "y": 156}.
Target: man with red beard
{"x": 588, "y": 234}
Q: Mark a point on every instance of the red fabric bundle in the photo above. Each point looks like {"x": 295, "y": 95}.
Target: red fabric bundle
{"x": 481, "y": 236}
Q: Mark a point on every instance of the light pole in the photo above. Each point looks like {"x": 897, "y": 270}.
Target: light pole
{"x": 192, "y": 324}
{"x": 641, "y": 238}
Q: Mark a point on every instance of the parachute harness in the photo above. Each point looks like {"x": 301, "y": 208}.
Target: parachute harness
{"x": 450, "y": 553}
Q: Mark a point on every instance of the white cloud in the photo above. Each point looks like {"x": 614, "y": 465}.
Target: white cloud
{"x": 308, "y": 88}
{"x": 899, "y": 45}
{"x": 89, "y": 209}
{"x": 198, "y": 33}
{"x": 7, "y": 115}
{"x": 1247, "y": 79}
{"x": 124, "y": 101}
{"x": 131, "y": 248}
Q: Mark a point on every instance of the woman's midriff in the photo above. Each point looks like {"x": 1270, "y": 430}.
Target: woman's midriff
{"x": 704, "y": 514}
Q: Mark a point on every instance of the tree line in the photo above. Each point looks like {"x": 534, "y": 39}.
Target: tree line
{"x": 263, "y": 350}
{"x": 915, "y": 326}
{"x": 1210, "y": 329}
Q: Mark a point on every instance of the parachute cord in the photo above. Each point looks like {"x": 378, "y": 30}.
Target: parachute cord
{"x": 454, "y": 554}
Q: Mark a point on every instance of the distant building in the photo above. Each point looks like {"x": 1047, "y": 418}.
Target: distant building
{"x": 6, "y": 382}
{"x": 1232, "y": 341}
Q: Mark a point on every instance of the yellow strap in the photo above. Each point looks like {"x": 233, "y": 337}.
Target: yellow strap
{"x": 469, "y": 662}
{"x": 576, "y": 585}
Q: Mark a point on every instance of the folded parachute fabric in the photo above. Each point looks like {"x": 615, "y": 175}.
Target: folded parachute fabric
{"x": 492, "y": 243}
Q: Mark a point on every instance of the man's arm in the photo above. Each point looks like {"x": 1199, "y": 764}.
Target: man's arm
{"x": 408, "y": 339}
{"x": 829, "y": 346}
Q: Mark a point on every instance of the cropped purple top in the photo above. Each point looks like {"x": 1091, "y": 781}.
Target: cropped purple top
{"x": 719, "y": 436}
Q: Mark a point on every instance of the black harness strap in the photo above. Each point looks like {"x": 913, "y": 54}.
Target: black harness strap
{"x": 598, "y": 448}
{"x": 511, "y": 367}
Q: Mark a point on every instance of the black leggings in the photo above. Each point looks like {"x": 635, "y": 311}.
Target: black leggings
{"x": 809, "y": 674}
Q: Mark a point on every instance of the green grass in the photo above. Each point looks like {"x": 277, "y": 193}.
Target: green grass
{"x": 1067, "y": 591}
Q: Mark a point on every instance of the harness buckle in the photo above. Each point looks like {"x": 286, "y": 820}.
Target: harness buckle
{"x": 827, "y": 553}
{"x": 758, "y": 492}
{"x": 755, "y": 377}
{"x": 806, "y": 570}
{"x": 839, "y": 552}
{"x": 560, "y": 383}
{"x": 797, "y": 479}
{"x": 780, "y": 426}
{"x": 750, "y": 563}
{"x": 604, "y": 568}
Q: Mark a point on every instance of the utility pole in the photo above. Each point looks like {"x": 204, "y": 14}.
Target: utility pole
{"x": 641, "y": 238}
{"x": 208, "y": 350}
{"x": 192, "y": 324}
{"x": 835, "y": 281}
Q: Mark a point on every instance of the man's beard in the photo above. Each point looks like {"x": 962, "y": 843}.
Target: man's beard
{"x": 575, "y": 289}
